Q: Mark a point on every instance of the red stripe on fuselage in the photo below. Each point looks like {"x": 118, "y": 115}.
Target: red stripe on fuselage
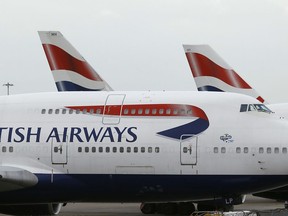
{"x": 202, "y": 66}
{"x": 58, "y": 59}
{"x": 145, "y": 110}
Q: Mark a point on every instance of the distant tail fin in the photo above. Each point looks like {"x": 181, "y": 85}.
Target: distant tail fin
{"x": 70, "y": 70}
{"x": 212, "y": 73}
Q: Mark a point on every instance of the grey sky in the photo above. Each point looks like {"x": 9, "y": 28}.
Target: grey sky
{"x": 137, "y": 44}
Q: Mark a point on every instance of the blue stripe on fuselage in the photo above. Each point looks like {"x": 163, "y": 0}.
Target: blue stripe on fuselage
{"x": 138, "y": 188}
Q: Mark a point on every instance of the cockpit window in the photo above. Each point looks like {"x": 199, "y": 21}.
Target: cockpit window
{"x": 262, "y": 108}
{"x": 251, "y": 107}
{"x": 254, "y": 107}
{"x": 243, "y": 107}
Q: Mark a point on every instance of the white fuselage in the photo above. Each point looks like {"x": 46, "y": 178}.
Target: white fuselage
{"x": 106, "y": 146}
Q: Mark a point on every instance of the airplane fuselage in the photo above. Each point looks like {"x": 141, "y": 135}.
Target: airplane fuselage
{"x": 138, "y": 147}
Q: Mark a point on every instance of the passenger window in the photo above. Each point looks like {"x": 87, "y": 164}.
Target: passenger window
{"x": 91, "y": 111}
{"x": 128, "y": 149}
{"x": 84, "y": 111}
{"x": 215, "y": 149}
{"x": 276, "y": 150}
{"x": 185, "y": 150}
{"x": 79, "y": 149}
{"x": 284, "y": 150}
{"x": 100, "y": 149}
{"x": 43, "y": 111}
{"x": 150, "y": 149}
{"x": 223, "y": 150}
{"x": 50, "y": 111}
{"x": 55, "y": 149}
{"x": 140, "y": 111}
{"x": 126, "y": 111}
{"x": 86, "y": 149}
{"x": 135, "y": 149}
{"x": 238, "y": 150}
{"x": 142, "y": 149}
{"x": 175, "y": 112}
{"x": 107, "y": 149}
{"x": 168, "y": 111}
{"x": 71, "y": 111}
{"x": 261, "y": 150}
{"x": 98, "y": 111}
{"x": 147, "y": 111}
{"x": 77, "y": 111}
{"x": 93, "y": 149}
{"x": 157, "y": 149}
{"x": 161, "y": 111}
{"x": 57, "y": 111}
{"x": 121, "y": 149}
{"x": 10, "y": 149}
{"x": 133, "y": 111}
{"x": 114, "y": 149}
{"x": 4, "y": 149}
{"x": 154, "y": 111}
{"x": 63, "y": 111}
{"x": 189, "y": 112}
{"x": 182, "y": 112}
{"x": 246, "y": 150}
{"x": 269, "y": 150}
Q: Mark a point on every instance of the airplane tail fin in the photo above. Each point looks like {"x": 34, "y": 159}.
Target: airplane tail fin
{"x": 70, "y": 70}
{"x": 212, "y": 73}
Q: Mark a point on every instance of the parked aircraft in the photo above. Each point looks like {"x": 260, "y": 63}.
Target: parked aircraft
{"x": 212, "y": 73}
{"x": 135, "y": 147}
{"x": 55, "y": 38}
{"x": 59, "y": 44}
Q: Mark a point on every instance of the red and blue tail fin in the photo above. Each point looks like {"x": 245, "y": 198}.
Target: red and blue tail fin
{"x": 212, "y": 73}
{"x": 70, "y": 70}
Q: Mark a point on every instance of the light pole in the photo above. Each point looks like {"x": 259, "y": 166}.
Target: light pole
{"x": 8, "y": 87}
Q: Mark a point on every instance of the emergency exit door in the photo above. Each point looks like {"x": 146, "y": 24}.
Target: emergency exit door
{"x": 113, "y": 109}
{"x": 59, "y": 151}
{"x": 188, "y": 149}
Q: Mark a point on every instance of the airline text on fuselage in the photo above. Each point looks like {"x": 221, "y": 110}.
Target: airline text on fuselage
{"x": 68, "y": 134}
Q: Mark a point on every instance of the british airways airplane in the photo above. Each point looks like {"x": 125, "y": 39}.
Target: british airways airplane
{"x": 55, "y": 42}
{"x": 66, "y": 62}
{"x": 212, "y": 73}
{"x": 135, "y": 147}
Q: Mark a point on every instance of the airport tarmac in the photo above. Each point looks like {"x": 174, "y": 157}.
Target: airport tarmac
{"x": 132, "y": 209}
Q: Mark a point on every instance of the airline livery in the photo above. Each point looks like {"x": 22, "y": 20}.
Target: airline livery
{"x": 70, "y": 70}
{"x": 212, "y": 73}
{"x": 139, "y": 146}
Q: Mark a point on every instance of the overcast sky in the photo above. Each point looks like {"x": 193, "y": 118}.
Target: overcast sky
{"x": 137, "y": 44}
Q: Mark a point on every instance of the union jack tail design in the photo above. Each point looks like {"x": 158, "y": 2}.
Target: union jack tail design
{"x": 212, "y": 73}
{"x": 70, "y": 70}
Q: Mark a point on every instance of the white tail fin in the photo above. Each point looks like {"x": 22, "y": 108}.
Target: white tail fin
{"x": 70, "y": 70}
{"x": 212, "y": 73}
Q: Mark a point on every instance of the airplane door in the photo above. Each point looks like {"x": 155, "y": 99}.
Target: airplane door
{"x": 188, "y": 149}
{"x": 113, "y": 109}
{"x": 59, "y": 151}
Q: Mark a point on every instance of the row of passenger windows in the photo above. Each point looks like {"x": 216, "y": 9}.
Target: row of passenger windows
{"x": 147, "y": 111}
{"x": 139, "y": 111}
{"x": 117, "y": 149}
{"x": 70, "y": 111}
{"x": 245, "y": 150}
{"x": 7, "y": 149}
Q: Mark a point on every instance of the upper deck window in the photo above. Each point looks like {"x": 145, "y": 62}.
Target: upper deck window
{"x": 254, "y": 107}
